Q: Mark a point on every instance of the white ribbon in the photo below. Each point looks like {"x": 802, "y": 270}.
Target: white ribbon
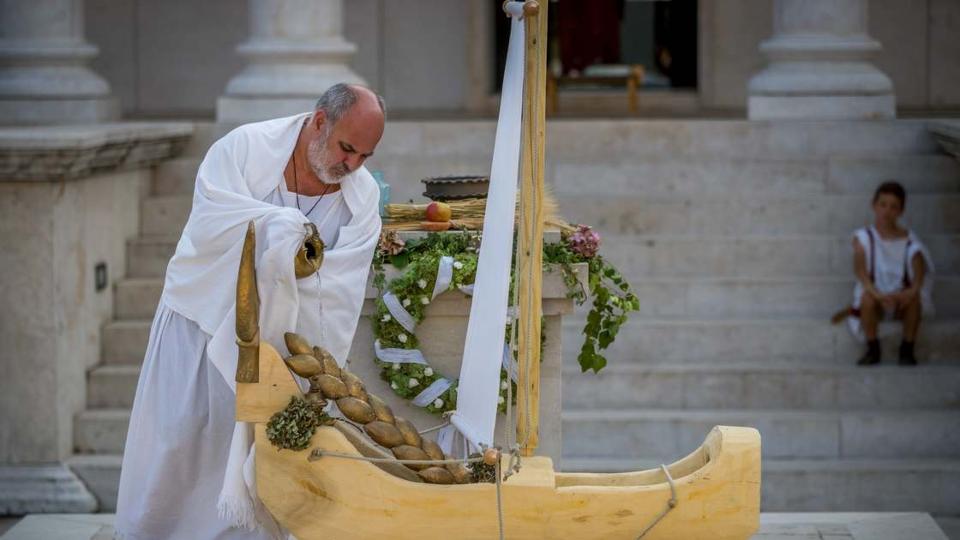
{"x": 444, "y": 276}
{"x": 398, "y": 356}
{"x": 399, "y": 312}
{"x": 432, "y": 392}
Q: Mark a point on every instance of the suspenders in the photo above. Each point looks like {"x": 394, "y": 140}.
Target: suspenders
{"x": 872, "y": 262}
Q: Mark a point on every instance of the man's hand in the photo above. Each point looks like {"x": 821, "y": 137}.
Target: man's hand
{"x": 310, "y": 256}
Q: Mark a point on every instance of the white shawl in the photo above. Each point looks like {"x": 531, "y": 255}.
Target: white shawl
{"x": 238, "y": 172}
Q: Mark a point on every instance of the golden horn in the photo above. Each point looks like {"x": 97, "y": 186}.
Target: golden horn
{"x": 248, "y": 312}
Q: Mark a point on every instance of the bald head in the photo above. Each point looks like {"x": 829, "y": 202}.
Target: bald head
{"x": 341, "y": 98}
{"x": 347, "y": 126}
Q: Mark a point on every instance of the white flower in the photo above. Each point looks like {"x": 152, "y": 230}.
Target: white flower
{"x": 393, "y": 385}
{"x": 424, "y": 300}
{"x": 412, "y": 383}
{"x": 457, "y": 264}
{"x": 402, "y": 338}
{"x": 422, "y": 283}
{"x": 504, "y": 385}
{"x": 500, "y": 399}
{"x": 438, "y": 403}
{"x": 386, "y": 317}
{"x": 395, "y": 366}
{"x": 406, "y": 302}
{"x": 428, "y": 372}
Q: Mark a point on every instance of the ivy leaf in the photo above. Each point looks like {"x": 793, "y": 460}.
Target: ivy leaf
{"x": 401, "y": 260}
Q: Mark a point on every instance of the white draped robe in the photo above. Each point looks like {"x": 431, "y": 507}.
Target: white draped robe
{"x": 188, "y": 466}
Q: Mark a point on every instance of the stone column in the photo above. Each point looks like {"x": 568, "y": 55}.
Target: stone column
{"x": 296, "y": 51}
{"x": 819, "y": 66}
{"x": 44, "y": 78}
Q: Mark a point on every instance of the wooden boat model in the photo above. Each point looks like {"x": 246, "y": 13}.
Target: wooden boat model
{"x": 717, "y": 488}
{"x": 332, "y": 489}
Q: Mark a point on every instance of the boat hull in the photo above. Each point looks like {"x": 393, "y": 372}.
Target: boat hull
{"x": 718, "y": 496}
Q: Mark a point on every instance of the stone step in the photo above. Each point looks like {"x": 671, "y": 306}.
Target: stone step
{"x": 41, "y": 488}
{"x": 136, "y": 298}
{"x": 752, "y": 386}
{"x": 147, "y": 256}
{"x": 749, "y": 215}
{"x": 835, "y": 485}
{"x": 164, "y": 214}
{"x": 670, "y": 434}
{"x": 605, "y": 139}
{"x": 632, "y": 215}
{"x": 100, "y": 431}
{"x": 761, "y": 341}
{"x": 761, "y": 256}
{"x": 710, "y": 298}
{"x": 112, "y": 386}
{"x": 675, "y": 175}
{"x": 125, "y": 341}
{"x": 175, "y": 176}
{"x": 650, "y": 256}
{"x": 663, "y": 178}
{"x": 101, "y": 474}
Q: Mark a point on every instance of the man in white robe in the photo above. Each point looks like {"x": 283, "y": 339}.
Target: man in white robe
{"x": 188, "y": 466}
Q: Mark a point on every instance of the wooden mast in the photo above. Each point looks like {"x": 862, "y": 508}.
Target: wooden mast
{"x": 530, "y": 234}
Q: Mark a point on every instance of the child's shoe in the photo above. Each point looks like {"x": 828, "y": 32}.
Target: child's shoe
{"x": 872, "y": 356}
{"x": 906, "y": 354}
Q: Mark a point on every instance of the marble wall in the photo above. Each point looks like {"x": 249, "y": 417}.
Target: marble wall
{"x": 54, "y": 235}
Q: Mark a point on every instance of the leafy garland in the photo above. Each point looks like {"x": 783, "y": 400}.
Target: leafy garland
{"x": 612, "y": 300}
{"x": 293, "y": 427}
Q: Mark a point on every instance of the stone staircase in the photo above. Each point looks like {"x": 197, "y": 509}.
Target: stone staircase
{"x": 738, "y": 245}
{"x": 100, "y": 431}
{"x": 736, "y": 237}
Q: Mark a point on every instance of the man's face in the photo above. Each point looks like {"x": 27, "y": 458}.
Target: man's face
{"x": 340, "y": 149}
{"x": 887, "y": 208}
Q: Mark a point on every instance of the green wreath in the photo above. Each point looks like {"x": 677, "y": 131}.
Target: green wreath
{"x": 419, "y": 261}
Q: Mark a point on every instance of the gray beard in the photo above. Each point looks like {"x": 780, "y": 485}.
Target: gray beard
{"x": 317, "y": 155}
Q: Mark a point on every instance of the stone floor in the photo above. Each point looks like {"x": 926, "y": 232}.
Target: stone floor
{"x": 773, "y": 526}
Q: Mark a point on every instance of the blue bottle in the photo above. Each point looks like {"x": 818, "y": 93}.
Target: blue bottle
{"x": 384, "y": 190}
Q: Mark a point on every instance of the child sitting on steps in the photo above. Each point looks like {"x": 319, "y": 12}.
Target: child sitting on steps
{"x": 894, "y": 276}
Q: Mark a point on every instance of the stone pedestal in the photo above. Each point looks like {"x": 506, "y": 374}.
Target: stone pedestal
{"x": 69, "y": 200}
{"x": 442, "y": 334}
{"x": 295, "y": 52}
{"x": 44, "y": 78}
{"x": 819, "y": 65}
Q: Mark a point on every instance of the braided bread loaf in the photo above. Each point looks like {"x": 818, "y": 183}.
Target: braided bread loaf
{"x": 329, "y": 381}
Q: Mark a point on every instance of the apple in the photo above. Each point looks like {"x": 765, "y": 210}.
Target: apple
{"x": 438, "y": 212}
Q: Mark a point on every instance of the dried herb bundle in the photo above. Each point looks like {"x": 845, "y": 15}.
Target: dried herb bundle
{"x": 480, "y": 472}
{"x": 293, "y": 427}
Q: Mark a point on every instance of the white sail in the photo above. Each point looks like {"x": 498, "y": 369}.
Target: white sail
{"x": 478, "y": 389}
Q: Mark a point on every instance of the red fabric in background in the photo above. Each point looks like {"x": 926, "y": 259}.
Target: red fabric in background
{"x": 589, "y": 32}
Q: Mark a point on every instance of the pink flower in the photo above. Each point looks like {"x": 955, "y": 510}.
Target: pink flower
{"x": 584, "y": 242}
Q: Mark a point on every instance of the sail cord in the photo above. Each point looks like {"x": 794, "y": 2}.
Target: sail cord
{"x": 671, "y": 504}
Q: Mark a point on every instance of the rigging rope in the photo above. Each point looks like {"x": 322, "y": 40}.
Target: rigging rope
{"x": 671, "y": 504}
